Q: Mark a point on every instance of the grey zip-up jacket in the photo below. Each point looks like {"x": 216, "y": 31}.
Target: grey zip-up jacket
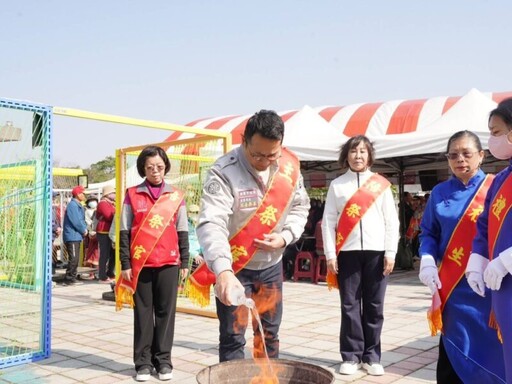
{"x": 232, "y": 192}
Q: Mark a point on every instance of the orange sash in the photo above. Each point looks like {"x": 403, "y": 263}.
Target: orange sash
{"x": 456, "y": 254}
{"x": 352, "y": 213}
{"x": 278, "y": 197}
{"x": 145, "y": 240}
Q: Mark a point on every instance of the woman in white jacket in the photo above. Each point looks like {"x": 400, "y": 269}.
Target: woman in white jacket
{"x": 360, "y": 231}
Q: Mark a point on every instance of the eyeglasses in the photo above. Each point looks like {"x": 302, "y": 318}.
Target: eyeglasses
{"x": 260, "y": 156}
{"x": 456, "y": 155}
{"x": 158, "y": 168}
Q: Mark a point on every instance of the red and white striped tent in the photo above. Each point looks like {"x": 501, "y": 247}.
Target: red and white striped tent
{"x": 396, "y": 116}
{"x": 399, "y": 128}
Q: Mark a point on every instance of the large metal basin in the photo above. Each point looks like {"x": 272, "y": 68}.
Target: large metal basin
{"x": 243, "y": 371}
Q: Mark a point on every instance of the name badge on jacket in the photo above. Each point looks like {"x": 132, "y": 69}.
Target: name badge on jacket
{"x": 248, "y": 198}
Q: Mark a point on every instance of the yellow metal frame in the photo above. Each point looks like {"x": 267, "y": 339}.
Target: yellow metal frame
{"x": 120, "y": 165}
{"x": 70, "y": 112}
{"x": 29, "y": 170}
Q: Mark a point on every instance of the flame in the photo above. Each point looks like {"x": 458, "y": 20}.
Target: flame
{"x": 265, "y": 300}
{"x": 268, "y": 373}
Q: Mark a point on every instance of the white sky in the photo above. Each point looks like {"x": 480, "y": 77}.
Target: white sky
{"x": 177, "y": 61}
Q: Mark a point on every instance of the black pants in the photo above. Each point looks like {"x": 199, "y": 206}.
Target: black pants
{"x": 362, "y": 289}
{"x": 73, "y": 249}
{"x": 107, "y": 258}
{"x": 445, "y": 374}
{"x": 154, "y": 316}
{"x": 263, "y": 286}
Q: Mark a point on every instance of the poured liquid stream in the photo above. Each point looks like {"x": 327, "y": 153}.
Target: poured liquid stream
{"x": 267, "y": 376}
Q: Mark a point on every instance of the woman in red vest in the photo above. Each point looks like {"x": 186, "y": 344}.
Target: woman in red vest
{"x": 153, "y": 246}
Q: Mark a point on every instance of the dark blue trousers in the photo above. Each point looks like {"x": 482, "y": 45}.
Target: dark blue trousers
{"x": 263, "y": 286}
{"x": 362, "y": 289}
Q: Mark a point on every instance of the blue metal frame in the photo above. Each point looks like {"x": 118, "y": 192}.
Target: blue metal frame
{"x": 46, "y": 308}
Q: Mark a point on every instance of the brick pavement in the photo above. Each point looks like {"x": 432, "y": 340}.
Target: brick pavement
{"x": 91, "y": 343}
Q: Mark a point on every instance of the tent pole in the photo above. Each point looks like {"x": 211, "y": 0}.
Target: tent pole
{"x": 401, "y": 209}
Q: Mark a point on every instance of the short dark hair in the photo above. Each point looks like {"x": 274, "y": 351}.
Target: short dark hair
{"x": 504, "y": 110}
{"x": 268, "y": 124}
{"x": 468, "y": 134}
{"x": 151, "y": 151}
{"x": 351, "y": 144}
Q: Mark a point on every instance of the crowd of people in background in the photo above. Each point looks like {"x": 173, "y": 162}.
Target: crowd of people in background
{"x": 80, "y": 232}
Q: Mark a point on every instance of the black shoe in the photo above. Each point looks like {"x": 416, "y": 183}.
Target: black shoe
{"x": 143, "y": 374}
{"x": 165, "y": 373}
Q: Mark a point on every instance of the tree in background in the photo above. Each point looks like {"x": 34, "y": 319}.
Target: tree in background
{"x": 101, "y": 171}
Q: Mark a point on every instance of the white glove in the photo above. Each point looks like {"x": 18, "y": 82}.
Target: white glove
{"x": 429, "y": 274}
{"x": 476, "y": 282}
{"x": 475, "y": 272}
{"x": 494, "y": 273}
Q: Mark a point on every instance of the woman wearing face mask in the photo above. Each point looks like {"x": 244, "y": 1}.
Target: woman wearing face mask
{"x": 360, "y": 238}
{"x": 490, "y": 263}
{"x": 92, "y": 253}
{"x": 468, "y": 349}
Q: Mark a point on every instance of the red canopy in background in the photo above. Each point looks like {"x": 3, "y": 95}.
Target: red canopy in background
{"x": 392, "y": 117}
{"x": 371, "y": 119}
{"x": 408, "y": 134}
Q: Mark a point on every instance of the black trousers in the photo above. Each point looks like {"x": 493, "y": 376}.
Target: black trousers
{"x": 445, "y": 374}
{"x": 154, "y": 316}
{"x": 362, "y": 289}
{"x": 264, "y": 287}
{"x": 107, "y": 258}
{"x": 73, "y": 249}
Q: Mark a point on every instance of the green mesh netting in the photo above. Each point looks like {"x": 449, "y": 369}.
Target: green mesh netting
{"x": 24, "y": 232}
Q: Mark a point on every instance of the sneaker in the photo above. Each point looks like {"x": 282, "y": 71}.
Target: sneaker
{"x": 165, "y": 373}
{"x": 143, "y": 374}
{"x": 108, "y": 280}
{"x": 374, "y": 369}
{"x": 349, "y": 367}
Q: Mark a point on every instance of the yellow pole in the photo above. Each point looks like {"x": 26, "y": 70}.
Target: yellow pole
{"x": 70, "y": 112}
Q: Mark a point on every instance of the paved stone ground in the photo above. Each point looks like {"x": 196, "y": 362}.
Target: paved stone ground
{"x": 91, "y": 343}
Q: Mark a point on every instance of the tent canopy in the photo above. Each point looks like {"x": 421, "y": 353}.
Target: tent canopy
{"x": 408, "y": 134}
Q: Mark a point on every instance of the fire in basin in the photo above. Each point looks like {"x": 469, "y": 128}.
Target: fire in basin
{"x": 248, "y": 371}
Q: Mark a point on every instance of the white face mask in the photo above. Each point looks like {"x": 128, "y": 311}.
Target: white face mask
{"x": 92, "y": 204}
{"x": 500, "y": 147}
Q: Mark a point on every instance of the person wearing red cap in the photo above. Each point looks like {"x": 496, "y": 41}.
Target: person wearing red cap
{"x": 74, "y": 229}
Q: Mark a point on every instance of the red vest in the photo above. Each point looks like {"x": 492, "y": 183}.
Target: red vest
{"x": 166, "y": 251}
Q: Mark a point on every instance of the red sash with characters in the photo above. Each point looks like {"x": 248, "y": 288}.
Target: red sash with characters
{"x": 278, "y": 197}
{"x": 352, "y": 213}
{"x": 456, "y": 255}
{"x": 145, "y": 240}
{"x": 498, "y": 210}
